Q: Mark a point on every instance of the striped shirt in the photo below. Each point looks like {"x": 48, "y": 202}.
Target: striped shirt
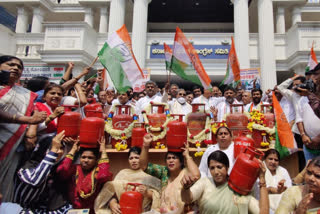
{"x": 30, "y": 183}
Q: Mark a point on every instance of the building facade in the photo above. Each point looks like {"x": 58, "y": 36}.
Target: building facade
{"x": 273, "y": 35}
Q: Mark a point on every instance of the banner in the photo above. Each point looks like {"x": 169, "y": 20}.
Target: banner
{"x": 250, "y": 77}
{"x": 53, "y": 72}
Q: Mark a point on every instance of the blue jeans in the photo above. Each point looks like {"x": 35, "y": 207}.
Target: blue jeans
{"x": 308, "y": 155}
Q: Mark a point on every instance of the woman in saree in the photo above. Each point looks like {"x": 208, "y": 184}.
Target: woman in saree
{"x": 16, "y": 108}
{"x": 277, "y": 178}
{"x": 219, "y": 198}
{"x": 108, "y": 199}
{"x": 303, "y": 198}
{"x": 170, "y": 175}
{"x": 86, "y": 179}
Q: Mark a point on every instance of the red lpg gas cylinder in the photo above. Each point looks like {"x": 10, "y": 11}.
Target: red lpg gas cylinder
{"x": 91, "y": 130}
{"x": 93, "y": 110}
{"x": 131, "y": 201}
{"x": 156, "y": 119}
{"x": 237, "y": 121}
{"x": 138, "y": 132}
{"x": 196, "y": 121}
{"x": 245, "y": 171}
{"x": 241, "y": 143}
{"x": 69, "y": 122}
{"x": 121, "y": 120}
{"x": 176, "y": 134}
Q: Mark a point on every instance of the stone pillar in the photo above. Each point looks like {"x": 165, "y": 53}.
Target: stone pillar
{"x": 296, "y": 15}
{"x": 241, "y": 32}
{"x": 266, "y": 44}
{"x": 88, "y": 16}
{"x": 117, "y": 13}
{"x": 22, "y": 21}
{"x": 37, "y": 19}
{"x": 139, "y": 30}
{"x": 103, "y": 26}
{"x": 280, "y": 22}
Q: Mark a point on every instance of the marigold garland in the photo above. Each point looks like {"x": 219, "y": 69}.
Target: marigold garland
{"x": 201, "y": 136}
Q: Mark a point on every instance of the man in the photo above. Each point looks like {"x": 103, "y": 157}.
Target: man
{"x": 256, "y": 103}
{"x": 204, "y": 99}
{"x": 123, "y": 99}
{"x": 150, "y": 89}
{"x": 286, "y": 106}
{"x": 215, "y": 91}
{"x": 180, "y": 105}
{"x": 173, "y": 91}
{"x": 246, "y": 97}
{"x": 239, "y": 94}
{"x": 223, "y": 108}
{"x": 196, "y": 91}
{"x": 314, "y": 96}
{"x": 105, "y": 98}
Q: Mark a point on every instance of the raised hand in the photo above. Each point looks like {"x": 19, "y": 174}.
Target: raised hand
{"x": 185, "y": 149}
{"x": 71, "y": 65}
{"x": 304, "y": 203}
{"x": 188, "y": 180}
{"x": 102, "y": 143}
{"x": 147, "y": 139}
{"x": 281, "y": 187}
{"x": 58, "y": 111}
{"x": 56, "y": 141}
{"x": 75, "y": 148}
{"x": 38, "y": 117}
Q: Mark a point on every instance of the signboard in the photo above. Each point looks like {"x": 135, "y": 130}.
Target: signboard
{"x": 250, "y": 77}
{"x": 204, "y": 51}
{"x": 53, "y": 72}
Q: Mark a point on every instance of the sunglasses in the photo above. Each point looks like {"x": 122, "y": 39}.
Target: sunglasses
{"x": 182, "y": 94}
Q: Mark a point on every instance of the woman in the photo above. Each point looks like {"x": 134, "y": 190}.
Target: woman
{"x": 87, "y": 178}
{"x": 303, "y": 198}
{"x": 108, "y": 199}
{"x": 52, "y": 96}
{"x": 277, "y": 178}
{"x": 225, "y": 144}
{"x": 222, "y": 199}
{"x": 170, "y": 175}
{"x": 16, "y": 107}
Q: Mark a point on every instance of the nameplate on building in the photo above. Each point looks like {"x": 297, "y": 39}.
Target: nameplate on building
{"x": 53, "y": 72}
{"x": 204, "y": 51}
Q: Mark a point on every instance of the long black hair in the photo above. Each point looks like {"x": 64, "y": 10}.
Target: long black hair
{"x": 6, "y": 58}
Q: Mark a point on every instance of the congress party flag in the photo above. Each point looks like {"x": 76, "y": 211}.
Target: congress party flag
{"x": 233, "y": 68}
{"x": 167, "y": 56}
{"x": 117, "y": 57}
{"x": 285, "y": 143}
{"x": 312, "y": 60}
{"x": 186, "y": 63}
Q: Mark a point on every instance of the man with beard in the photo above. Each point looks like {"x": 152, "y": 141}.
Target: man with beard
{"x": 223, "y": 108}
{"x": 246, "y": 97}
{"x": 256, "y": 103}
{"x": 174, "y": 88}
{"x": 196, "y": 91}
{"x": 180, "y": 105}
{"x": 151, "y": 92}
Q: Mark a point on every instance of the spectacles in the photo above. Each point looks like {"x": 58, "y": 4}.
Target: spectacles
{"x": 182, "y": 94}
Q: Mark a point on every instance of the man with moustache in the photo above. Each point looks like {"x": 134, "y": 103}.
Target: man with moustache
{"x": 204, "y": 98}
{"x": 223, "y": 108}
{"x": 174, "y": 88}
{"x": 151, "y": 96}
{"x": 256, "y": 103}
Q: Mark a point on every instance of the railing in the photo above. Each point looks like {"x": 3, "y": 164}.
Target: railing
{"x": 66, "y": 1}
{"x": 28, "y": 45}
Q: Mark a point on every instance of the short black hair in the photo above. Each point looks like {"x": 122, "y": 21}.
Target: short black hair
{"x": 255, "y": 90}
{"x": 6, "y": 58}
{"x": 134, "y": 149}
{"x": 225, "y": 128}
{"x": 220, "y": 157}
{"x": 177, "y": 154}
{"x": 229, "y": 88}
{"x": 95, "y": 151}
{"x": 37, "y": 83}
{"x": 196, "y": 87}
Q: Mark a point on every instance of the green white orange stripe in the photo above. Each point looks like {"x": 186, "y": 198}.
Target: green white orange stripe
{"x": 117, "y": 57}
{"x": 167, "y": 56}
{"x": 186, "y": 63}
{"x": 312, "y": 60}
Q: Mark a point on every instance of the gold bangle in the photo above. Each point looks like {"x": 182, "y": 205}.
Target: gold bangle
{"x": 14, "y": 117}
{"x": 50, "y": 118}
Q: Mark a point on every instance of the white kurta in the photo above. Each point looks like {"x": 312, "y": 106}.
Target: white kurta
{"x": 224, "y": 108}
{"x": 177, "y": 108}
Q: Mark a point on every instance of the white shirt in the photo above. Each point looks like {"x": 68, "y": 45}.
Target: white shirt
{"x": 214, "y": 101}
{"x": 177, "y": 108}
{"x": 143, "y": 102}
{"x": 288, "y": 109}
{"x": 224, "y": 108}
{"x": 203, "y": 100}
{"x": 203, "y": 167}
{"x": 247, "y": 108}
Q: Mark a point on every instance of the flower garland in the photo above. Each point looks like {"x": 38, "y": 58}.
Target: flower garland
{"x": 122, "y": 135}
{"x": 257, "y": 121}
{"x": 199, "y": 153}
{"x": 202, "y": 135}
{"x": 163, "y": 128}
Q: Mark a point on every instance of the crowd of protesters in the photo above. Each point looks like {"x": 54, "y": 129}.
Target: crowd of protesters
{"x": 42, "y": 171}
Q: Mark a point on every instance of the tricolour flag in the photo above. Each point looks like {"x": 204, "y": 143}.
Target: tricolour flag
{"x": 117, "y": 57}
{"x": 285, "y": 143}
{"x": 312, "y": 60}
{"x": 167, "y": 56}
{"x": 186, "y": 63}
{"x": 233, "y": 68}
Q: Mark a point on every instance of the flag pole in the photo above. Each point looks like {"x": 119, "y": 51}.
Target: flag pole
{"x": 93, "y": 62}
